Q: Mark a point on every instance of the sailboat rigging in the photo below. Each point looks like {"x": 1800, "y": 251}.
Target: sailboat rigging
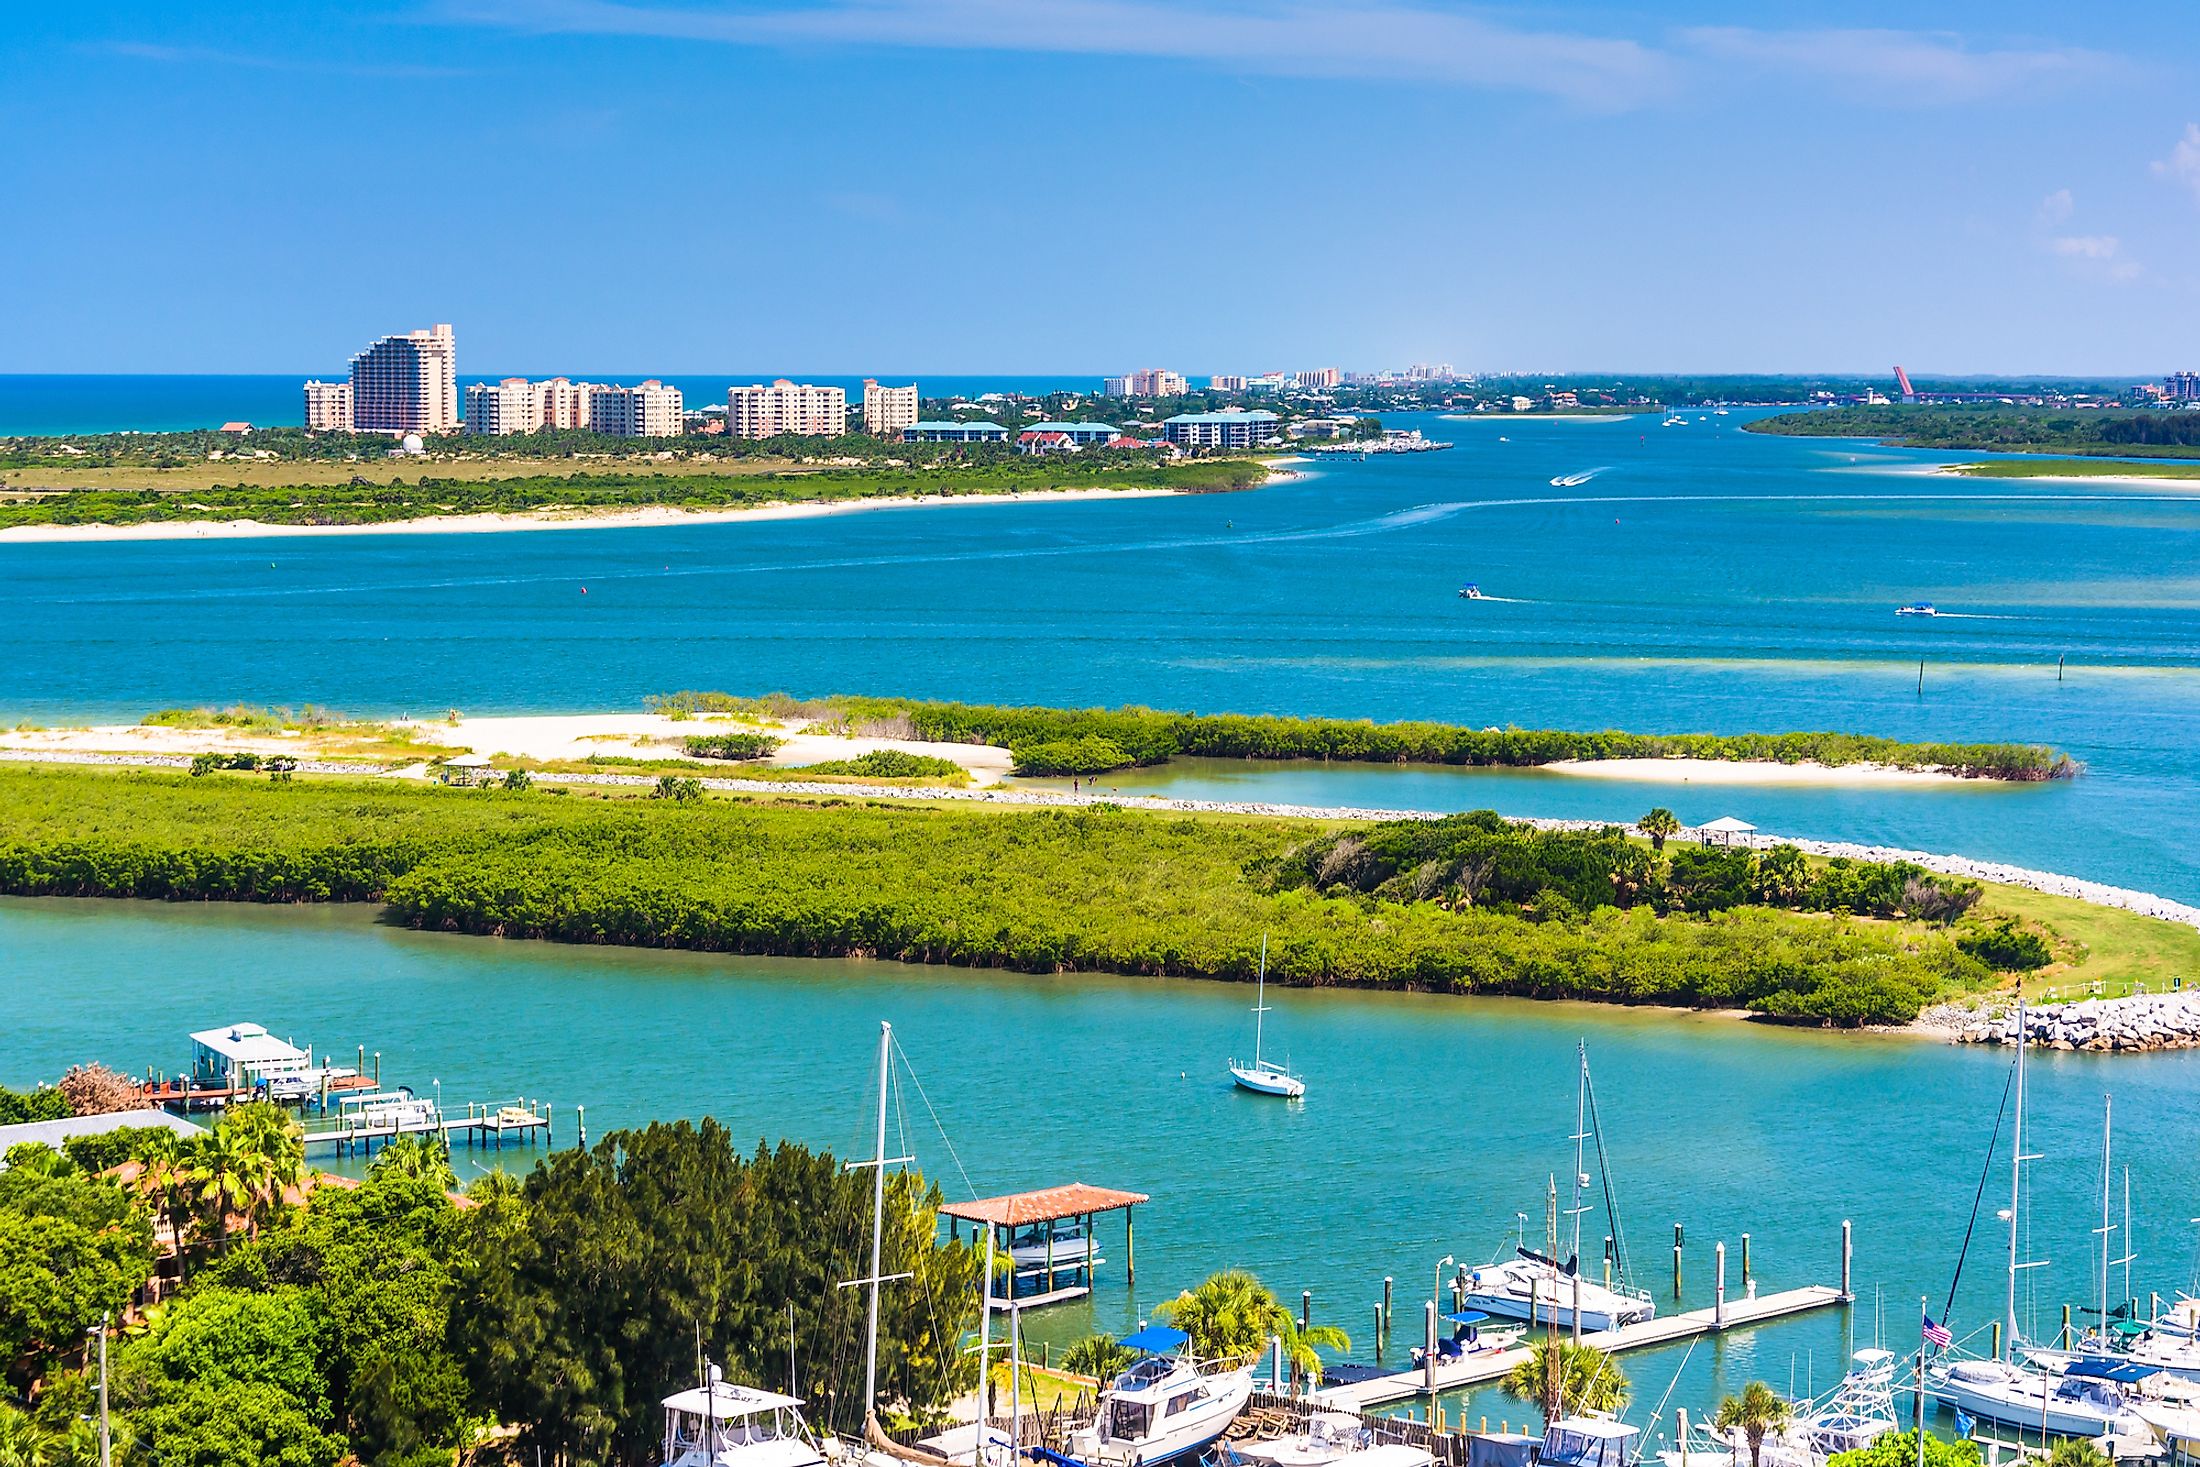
{"x": 1264, "y": 1076}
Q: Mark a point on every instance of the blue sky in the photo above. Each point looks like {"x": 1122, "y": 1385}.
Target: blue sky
{"x": 1090, "y": 185}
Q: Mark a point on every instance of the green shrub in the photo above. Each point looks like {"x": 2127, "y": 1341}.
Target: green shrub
{"x": 2007, "y": 948}
{"x": 1085, "y": 754}
{"x": 888, "y": 764}
{"x": 731, "y": 745}
{"x": 677, "y": 787}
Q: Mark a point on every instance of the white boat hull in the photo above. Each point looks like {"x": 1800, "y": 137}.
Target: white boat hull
{"x": 1268, "y": 1082}
{"x": 1199, "y": 1425}
{"x": 2028, "y": 1402}
{"x": 1539, "y": 1294}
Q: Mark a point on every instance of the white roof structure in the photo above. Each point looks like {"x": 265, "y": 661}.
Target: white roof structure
{"x": 1728, "y": 825}
{"x": 53, "y": 1133}
{"x": 248, "y": 1044}
{"x": 726, "y": 1401}
{"x": 469, "y": 761}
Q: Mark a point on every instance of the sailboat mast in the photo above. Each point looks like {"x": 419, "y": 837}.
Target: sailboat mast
{"x": 2016, "y": 1189}
{"x": 985, "y": 1350}
{"x": 1581, "y": 1131}
{"x": 2107, "y": 1109}
{"x": 878, "y": 1221}
{"x": 1260, "y": 1000}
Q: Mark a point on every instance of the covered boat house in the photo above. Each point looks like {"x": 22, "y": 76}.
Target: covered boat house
{"x": 1048, "y": 1239}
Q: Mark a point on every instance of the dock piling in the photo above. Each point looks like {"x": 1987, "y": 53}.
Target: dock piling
{"x": 1130, "y": 1248}
{"x": 1577, "y": 1304}
{"x": 1847, "y": 1254}
{"x": 580, "y": 1124}
{"x": 1718, "y": 1297}
{"x": 1745, "y": 1260}
{"x": 1378, "y": 1333}
{"x": 2065, "y": 1342}
{"x": 1428, "y": 1352}
{"x": 1995, "y": 1353}
{"x": 1676, "y": 1260}
{"x": 1386, "y": 1303}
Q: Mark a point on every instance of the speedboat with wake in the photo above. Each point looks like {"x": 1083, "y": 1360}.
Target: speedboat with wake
{"x": 1471, "y": 592}
{"x": 1167, "y": 1406}
{"x": 1917, "y": 608}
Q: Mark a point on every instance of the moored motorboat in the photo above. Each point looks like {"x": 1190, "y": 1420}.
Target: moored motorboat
{"x": 1329, "y": 1439}
{"x": 1167, "y": 1406}
{"x": 2089, "y": 1400}
{"x": 719, "y": 1424}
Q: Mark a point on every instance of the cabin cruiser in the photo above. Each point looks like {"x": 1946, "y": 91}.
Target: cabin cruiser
{"x": 1539, "y": 1289}
{"x": 718, "y": 1424}
{"x": 1468, "y": 1340}
{"x": 1330, "y": 1439}
{"x": 2090, "y": 1399}
{"x": 1917, "y": 608}
{"x": 1856, "y": 1413}
{"x": 1062, "y": 1246}
{"x": 1588, "y": 1441}
{"x": 1166, "y": 1406}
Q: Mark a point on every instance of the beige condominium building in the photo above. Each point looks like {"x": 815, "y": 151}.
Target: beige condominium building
{"x": 646, "y": 410}
{"x": 328, "y": 406}
{"x": 565, "y": 402}
{"x": 511, "y": 406}
{"x": 758, "y": 411}
{"x": 406, "y": 384}
{"x": 888, "y": 410}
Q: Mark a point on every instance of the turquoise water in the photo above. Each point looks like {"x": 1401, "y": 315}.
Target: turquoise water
{"x": 1703, "y": 578}
{"x": 1429, "y": 1124}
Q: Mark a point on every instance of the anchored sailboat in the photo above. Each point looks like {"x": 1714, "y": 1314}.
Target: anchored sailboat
{"x": 1262, "y": 1076}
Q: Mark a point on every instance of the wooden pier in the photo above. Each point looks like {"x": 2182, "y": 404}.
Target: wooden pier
{"x": 483, "y": 1125}
{"x": 1476, "y": 1370}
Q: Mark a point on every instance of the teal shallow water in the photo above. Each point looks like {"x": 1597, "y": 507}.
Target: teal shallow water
{"x": 1431, "y": 1121}
{"x": 1703, "y": 578}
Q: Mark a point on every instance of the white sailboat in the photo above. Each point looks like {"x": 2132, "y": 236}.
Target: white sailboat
{"x": 1263, "y": 1076}
{"x": 1543, "y": 1289}
{"x": 2088, "y": 1399}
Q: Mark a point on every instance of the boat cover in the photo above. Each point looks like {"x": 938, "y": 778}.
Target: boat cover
{"x": 1156, "y": 1339}
{"x": 2122, "y": 1371}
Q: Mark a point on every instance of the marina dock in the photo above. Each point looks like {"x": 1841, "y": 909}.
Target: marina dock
{"x": 1481, "y": 1369}
{"x": 355, "y": 1132}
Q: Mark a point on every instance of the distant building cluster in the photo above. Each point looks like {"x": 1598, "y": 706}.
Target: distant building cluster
{"x": 408, "y": 384}
{"x": 1221, "y": 430}
{"x": 2182, "y": 386}
{"x": 1147, "y": 382}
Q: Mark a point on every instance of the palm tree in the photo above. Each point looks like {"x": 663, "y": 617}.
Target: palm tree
{"x": 1563, "y": 1378}
{"x": 1658, "y": 824}
{"x": 1782, "y": 875}
{"x": 2076, "y": 1451}
{"x": 23, "y": 1442}
{"x": 1232, "y": 1313}
{"x": 165, "y": 1187}
{"x": 1757, "y": 1411}
{"x": 1098, "y": 1356}
{"x": 416, "y": 1157}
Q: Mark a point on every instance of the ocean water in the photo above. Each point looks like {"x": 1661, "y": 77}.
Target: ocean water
{"x": 1430, "y": 1122}
{"x": 34, "y": 404}
{"x": 1700, "y": 578}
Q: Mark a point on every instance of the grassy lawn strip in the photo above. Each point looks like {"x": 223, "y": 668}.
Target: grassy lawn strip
{"x": 621, "y": 489}
{"x": 1042, "y": 891}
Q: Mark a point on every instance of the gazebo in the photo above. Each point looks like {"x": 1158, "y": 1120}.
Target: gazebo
{"x": 467, "y": 770}
{"x": 1028, "y": 1228}
{"x": 1726, "y": 830}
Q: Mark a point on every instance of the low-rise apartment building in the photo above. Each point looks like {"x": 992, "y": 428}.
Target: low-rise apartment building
{"x": 1220, "y": 430}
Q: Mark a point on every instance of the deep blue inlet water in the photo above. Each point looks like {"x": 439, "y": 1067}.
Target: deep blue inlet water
{"x": 1701, "y": 578}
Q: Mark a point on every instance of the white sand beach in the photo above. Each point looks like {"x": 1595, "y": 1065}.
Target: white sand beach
{"x": 1737, "y": 772}
{"x": 655, "y": 736}
{"x": 653, "y": 517}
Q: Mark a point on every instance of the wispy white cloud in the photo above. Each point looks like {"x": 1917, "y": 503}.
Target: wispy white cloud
{"x": 2182, "y": 166}
{"x": 2057, "y": 208}
{"x": 1922, "y": 68}
{"x": 1398, "y": 40}
{"x": 2098, "y": 256}
{"x": 1374, "y": 38}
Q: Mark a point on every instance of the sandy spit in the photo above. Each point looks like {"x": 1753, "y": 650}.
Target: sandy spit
{"x": 652, "y": 517}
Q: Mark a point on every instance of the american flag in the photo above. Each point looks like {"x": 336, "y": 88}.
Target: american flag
{"x": 1937, "y": 1334}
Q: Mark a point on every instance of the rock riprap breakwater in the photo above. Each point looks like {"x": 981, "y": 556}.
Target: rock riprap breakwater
{"x": 2142, "y": 1021}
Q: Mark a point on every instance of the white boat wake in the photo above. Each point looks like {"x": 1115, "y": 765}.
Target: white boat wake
{"x": 1575, "y": 481}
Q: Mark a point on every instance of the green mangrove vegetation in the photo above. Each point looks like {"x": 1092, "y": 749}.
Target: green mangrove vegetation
{"x": 1067, "y": 741}
{"x": 2000, "y": 427}
{"x": 1097, "y": 888}
{"x": 609, "y": 491}
{"x": 301, "y": 1323}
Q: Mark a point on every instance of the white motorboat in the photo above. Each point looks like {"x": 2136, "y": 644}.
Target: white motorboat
{"x": 1588, "y": 1441}
{"x": 1859, "y": 1411}
{"x": 1165, "y": 1407}
{"x": 2088, "y": 1400}
{"x": 718, "y": 1424}
{"x": 1538, "y": 1287}
{"x": 1061, "y": 1246}
{"x": 1330, "y": 1439}
{"x": 1262, "y": 1076}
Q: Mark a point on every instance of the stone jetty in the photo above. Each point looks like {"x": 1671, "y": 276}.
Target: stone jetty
{"x": 2143, "y": 1021}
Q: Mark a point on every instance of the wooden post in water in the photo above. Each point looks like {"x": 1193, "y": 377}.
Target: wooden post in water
{"x": 1386, "y": 1303}
{"x": 1995, "y": 1354}
{"x": 1680, "y": 1433}
{"x": 1745, "y": 1261}
{"x": 2066, "y": 1327}
{"x": 1718, "y": 1297}
{"x": 1428, "y": 1352}
{"x": 1130, "y": 1250}
{"x": 1378, "y": 1334}
{"x": 580, "y": 1124}
{"x": 1676, "y": 1260}
{"x": 1306, "y": 1309}
{"x": 1847, "y": 1254}
{"x": 378, "y": 1069}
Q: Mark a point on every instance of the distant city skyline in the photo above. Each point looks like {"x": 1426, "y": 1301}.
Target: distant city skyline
{"x": 961, "y": 187}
